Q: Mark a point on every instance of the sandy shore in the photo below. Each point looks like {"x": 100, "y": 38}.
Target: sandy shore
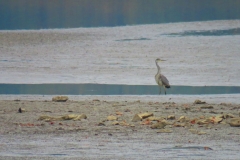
{"x": 27, "y": 135}
{"x": 119, "y": 55}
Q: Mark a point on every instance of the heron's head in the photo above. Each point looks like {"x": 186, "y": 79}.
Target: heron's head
{"x": 159, "y": 60}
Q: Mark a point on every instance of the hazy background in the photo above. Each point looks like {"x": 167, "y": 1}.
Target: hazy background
{"x": 37, "y": 14}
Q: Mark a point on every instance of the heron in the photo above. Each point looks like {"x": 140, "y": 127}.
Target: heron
{"x": 161, "y": 79}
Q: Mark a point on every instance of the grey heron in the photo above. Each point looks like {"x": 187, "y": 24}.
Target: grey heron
{"x": 161, "y": 79}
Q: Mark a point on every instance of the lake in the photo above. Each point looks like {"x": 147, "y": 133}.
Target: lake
{"x": 43, "y": 14}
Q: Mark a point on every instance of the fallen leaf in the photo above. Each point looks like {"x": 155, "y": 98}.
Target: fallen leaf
{"x": 193, "y": 121}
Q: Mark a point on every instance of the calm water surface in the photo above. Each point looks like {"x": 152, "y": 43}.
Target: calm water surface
{"x": 111, "y": 89}
{"x": 226, "y": 32}
{"x": 38, "y": 14}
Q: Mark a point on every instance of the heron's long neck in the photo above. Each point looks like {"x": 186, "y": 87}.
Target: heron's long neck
{"x": 159, "y": 70}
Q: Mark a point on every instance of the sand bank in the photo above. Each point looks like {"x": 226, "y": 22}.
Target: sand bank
{"x": 121, "y": 55}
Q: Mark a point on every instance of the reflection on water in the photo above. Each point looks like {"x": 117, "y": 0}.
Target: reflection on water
{"x": 38, "y": 14}
{"x": 111, "y": 89}
{"x": 227, "y": 32}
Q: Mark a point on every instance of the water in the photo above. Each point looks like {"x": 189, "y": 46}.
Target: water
{"x": 38, "y": 14}
{"x": 112, "y": 89}
{"x": 226, "y": 32}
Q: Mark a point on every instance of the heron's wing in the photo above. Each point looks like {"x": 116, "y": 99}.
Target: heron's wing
{"x": 164, "y": 80}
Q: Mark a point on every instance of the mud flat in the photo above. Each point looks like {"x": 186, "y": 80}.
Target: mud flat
{"x": 122, "y": 55}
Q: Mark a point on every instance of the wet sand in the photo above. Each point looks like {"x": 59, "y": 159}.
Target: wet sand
{"x": 122, "y": 55}
{"x": 118, "y": 55}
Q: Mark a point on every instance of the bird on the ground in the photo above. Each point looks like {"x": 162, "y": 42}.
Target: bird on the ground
{"x": 161, "y": 79}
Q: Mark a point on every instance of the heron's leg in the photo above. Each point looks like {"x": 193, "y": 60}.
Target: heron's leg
{"x": 165, "y": 90}
{"x": 159, "y": 90}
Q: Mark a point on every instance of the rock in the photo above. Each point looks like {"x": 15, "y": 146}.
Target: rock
{"x": 20, "y": 110}
{"x": 171, "y": 117}
{"x": 234, "y": 122}
{"x": 112, "y": 118}
{"x": 194, "y": 131}
{"x": 60, "y": 99}
{"x": 159, "y": 125}
{"x": 201, "y": 133}
{"x": 145, "y": 115}
{"x": 164, "y": 131}
{"x": 216, "y": 119}
{"x": 202, "y": 122}
{"x": 62, "y": 118}
{"x": 139, "y": 117}
{"x": 183, "y": 119}
{"x": 179, "y": 124}
{"x": 224, "y": 104}
{"x": 213, "y": 119}
{"x": 199, "y": 102}
{"x": 79, "y": 117}
{"x": 124, "y": 123}
{"x": 119, "y": 113}
{"x": 206, "y": 107}
{"x": 136, "y": 118}
{"x": 74, "y": 117}
{"x": 155, "y": 118}
{"x": 213, "y": 112}
{"x": 146, "y": 122}
{"x": 127, "y": 110}
{"x": 229, "y": 115}
{"x": 115, "y": 123}
{"x": 101, "y": 124}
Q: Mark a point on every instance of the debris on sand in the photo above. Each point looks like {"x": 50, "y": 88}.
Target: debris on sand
{"x": 74, "y": 117}
{"x": 60, "y": 99}
{"x": 20, "y": 110}
{"x": 140, "y": 116}
{"x": 234, "y": 122}
{"x": 159, "y": 125}
{"x": 171, "y": 117}
{"x": 206, "y": 107}
{"x": 197, "y": 101}
{"x": 112, "y": 118}
{"x": 164, "y": 131}
{"x": 195, "y": 131}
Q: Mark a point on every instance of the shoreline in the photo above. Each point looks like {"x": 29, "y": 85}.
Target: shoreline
{"x": 215, "y": 99}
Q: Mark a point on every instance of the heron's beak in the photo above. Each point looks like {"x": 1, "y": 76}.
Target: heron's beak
{"x": 163, "y": 60}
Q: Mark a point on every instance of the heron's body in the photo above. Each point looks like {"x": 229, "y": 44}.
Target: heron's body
{"x": 161, "y": 80}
